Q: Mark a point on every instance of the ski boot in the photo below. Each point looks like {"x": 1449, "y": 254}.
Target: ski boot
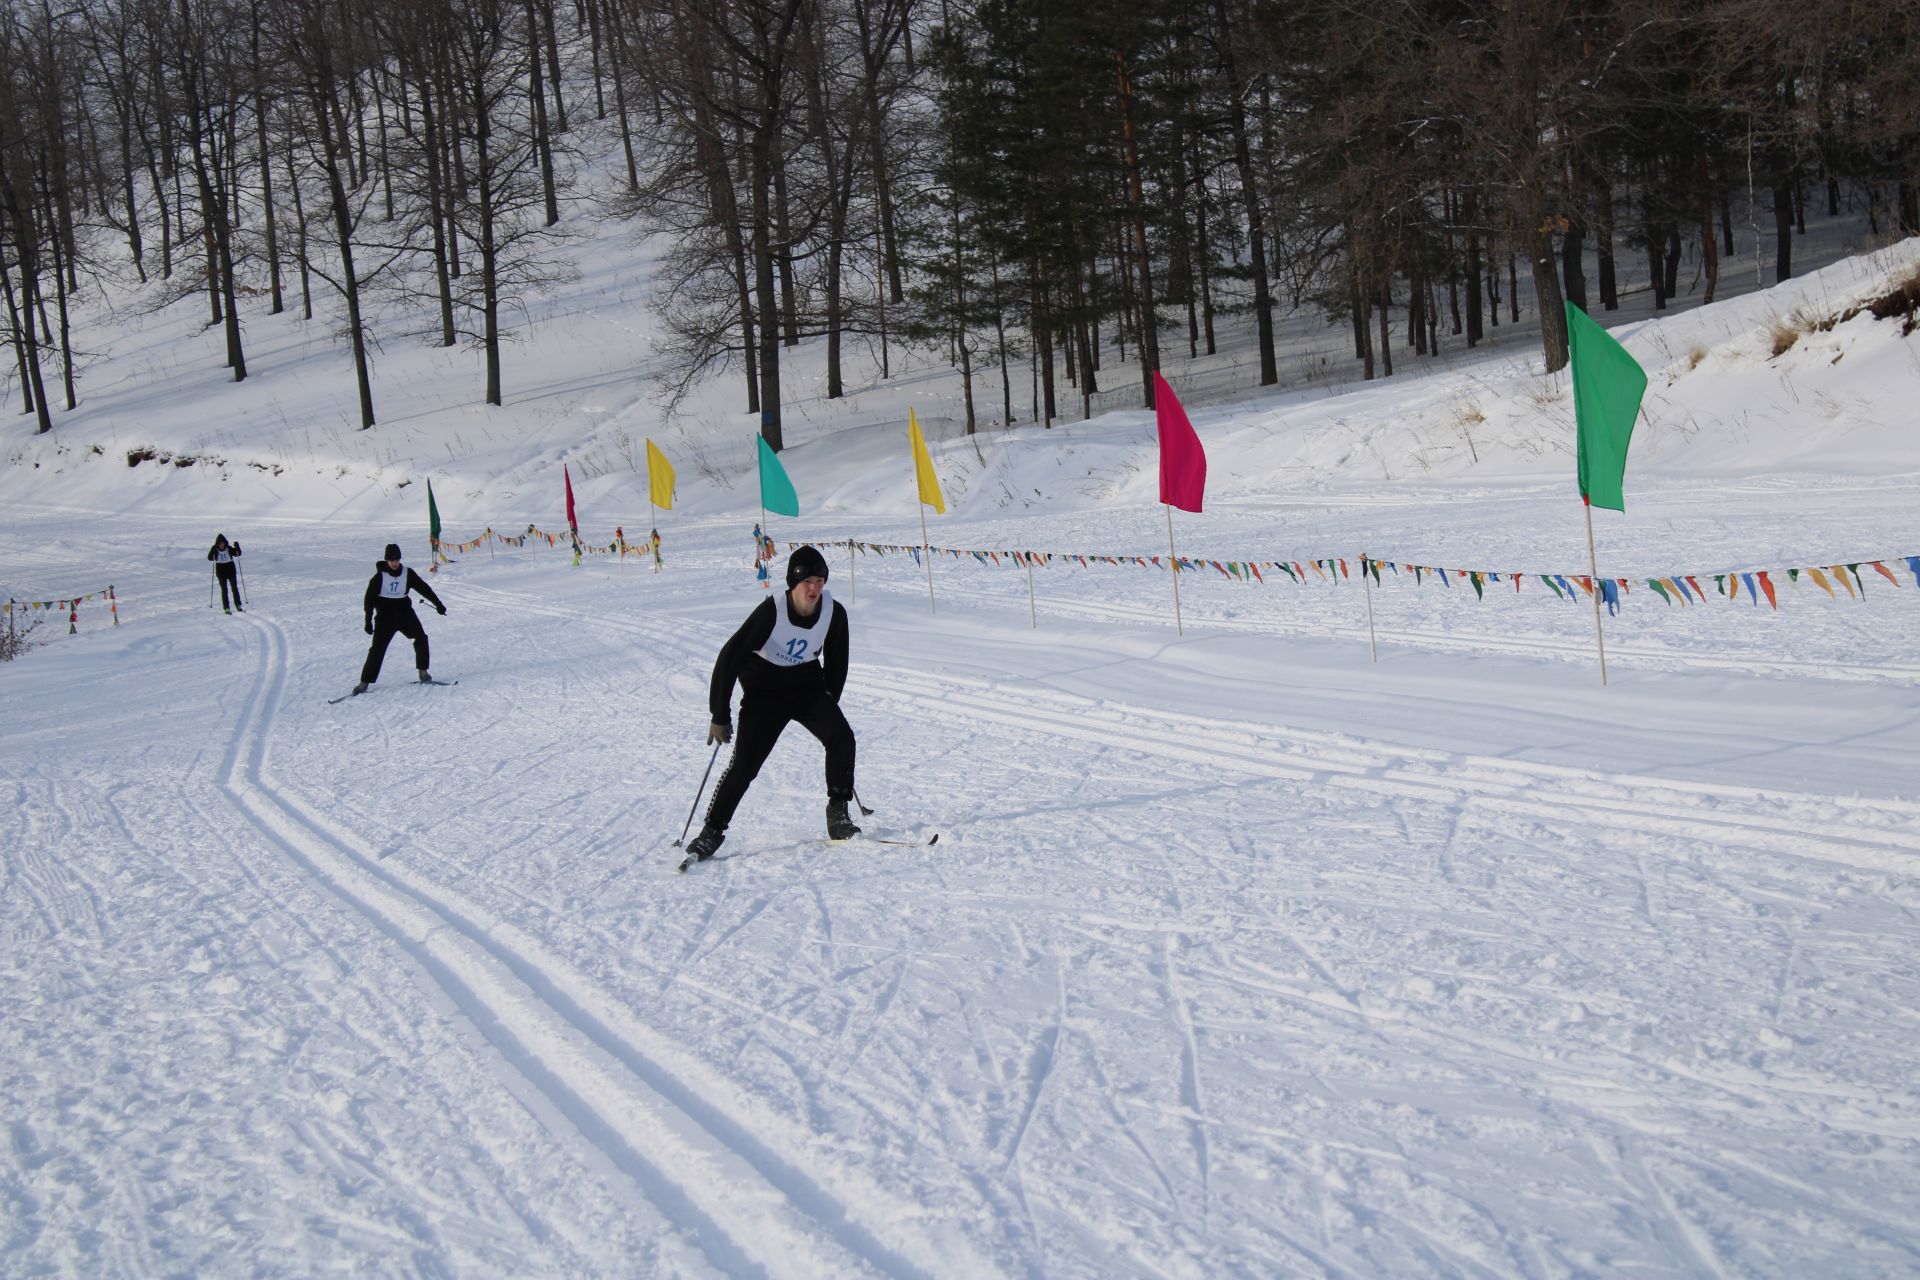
{"x": 839, "y": 825}
{"x": 706, "y": 844}
{"x": 359, "y": 689}
{"x": 425, "y": 678}
{"x": 226, "y": 609}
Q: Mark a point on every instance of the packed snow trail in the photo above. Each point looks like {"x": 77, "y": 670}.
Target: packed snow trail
{"x": 1234, "y": 956}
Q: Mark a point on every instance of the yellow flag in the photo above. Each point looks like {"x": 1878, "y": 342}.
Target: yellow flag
{"x": 923, "y": 467}
{"x": 659, "y": 476}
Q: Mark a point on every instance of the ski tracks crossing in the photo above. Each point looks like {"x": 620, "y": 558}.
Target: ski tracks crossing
{"x": 650, "y": 1115}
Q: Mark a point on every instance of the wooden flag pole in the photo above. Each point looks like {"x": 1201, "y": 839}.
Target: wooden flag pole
{"x": 1179, "y": 627}
{"x": 851, "y": 583}
{"x": 1366, "y": 582}
{"x": 926, "y": 552}
{"x": 1593, "y": 569}
{"x": 1033, "y": 617}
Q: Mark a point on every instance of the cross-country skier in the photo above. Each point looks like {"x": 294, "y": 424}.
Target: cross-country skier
{"x": 790, "y": 659}
{"x": 224, "y": 554}
{"x": 387, "y": 598}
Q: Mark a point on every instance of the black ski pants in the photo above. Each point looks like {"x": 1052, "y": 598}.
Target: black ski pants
{"x": 762, "y": 717}
{"x": 385, "y": 625}
{"x": 229, "y": 575}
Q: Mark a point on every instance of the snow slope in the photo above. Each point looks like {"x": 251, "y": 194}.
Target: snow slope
{"x": 1239, "y": 954}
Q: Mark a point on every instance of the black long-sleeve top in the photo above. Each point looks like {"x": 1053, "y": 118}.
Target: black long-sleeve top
{"x": 414, "y": 583}
{"x": 740, "y": 660}
{"x": 233, "y": 549}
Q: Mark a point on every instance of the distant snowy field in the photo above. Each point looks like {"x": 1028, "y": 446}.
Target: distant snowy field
{"x": 1239, "y": 953}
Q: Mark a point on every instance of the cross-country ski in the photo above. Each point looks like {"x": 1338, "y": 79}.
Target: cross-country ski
{"x": 908, "y": 842}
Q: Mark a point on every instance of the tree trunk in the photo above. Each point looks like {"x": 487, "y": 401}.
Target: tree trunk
{"x": 333, "y": 149}
{"x": 1249, "y": 191}
{"x": 1386, "y": 334}
{"x": 440, "y": 204}
{"x": 60, "y": 273}
{"x": 1149, "y": 335}
{"x": 553, "y": 69}
{"x": 765, "y": 293}
{"x": 874, "y": 48}
{"x": 1476, "y": 322}
{"x": 1601, "y": 193}
{"x": 300, "y": 235}
{"x": 1709, "y": 260}
{"x": 537, "y": 98}
{"x": 1546, "y": 287}
{"x": 1782, "y": 232}
{"x": 1573, "y": 266}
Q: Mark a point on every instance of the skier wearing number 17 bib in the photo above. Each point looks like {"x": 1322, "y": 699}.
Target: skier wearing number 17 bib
{"x": 790, "y": 660}
{"x": 386, "y": 600}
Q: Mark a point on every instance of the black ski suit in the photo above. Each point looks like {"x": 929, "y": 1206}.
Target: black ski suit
{"x": 389, "y": 610}
{"x": 771, "y": 697}
{"x": 227, "y": 571}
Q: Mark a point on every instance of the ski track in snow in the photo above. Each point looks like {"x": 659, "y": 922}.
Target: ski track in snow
{"x": 1177, "y": 994}
{"x": 748, "y": 1206}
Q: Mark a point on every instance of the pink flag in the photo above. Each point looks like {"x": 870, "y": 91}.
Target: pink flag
{"x": 1183, "y": 463}
{"x": 572, "y": 523}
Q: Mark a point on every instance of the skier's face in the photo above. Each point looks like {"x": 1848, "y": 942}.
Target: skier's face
{"x": 393, "y": 566}
{"x": 806, "y": 593}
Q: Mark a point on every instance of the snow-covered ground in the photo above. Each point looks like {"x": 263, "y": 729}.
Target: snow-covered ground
{"x": 1240, "y": 953}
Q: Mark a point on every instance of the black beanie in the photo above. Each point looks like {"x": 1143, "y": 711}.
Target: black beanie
{"x": 393, "y": 551}
{"x": 805, "y": 563}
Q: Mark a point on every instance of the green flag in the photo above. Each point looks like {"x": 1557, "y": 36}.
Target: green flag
{"x": 1607, "y": 386}
{"x": 776, "y": 491}
{"x": 433, "y": 519}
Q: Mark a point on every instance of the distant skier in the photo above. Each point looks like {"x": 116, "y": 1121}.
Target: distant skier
{"x": 387, "y": 597}
{"x": 226, "y": 569}
{"x": 790, "y": 659}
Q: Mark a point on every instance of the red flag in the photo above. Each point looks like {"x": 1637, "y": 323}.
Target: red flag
{"x": 1183, "y": 463}
{"x": 572, "y": 523}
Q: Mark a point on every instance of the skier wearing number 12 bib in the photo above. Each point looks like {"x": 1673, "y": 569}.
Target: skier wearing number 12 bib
{"x": 790, "y": 659}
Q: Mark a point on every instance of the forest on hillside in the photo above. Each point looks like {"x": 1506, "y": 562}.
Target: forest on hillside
{"x": 1009, "y": 181}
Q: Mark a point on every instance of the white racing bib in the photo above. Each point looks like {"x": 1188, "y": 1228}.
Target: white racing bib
{"x": 393, "y": 586}
{"x": 221, "y": 557}
{"x": 790, "y": 645}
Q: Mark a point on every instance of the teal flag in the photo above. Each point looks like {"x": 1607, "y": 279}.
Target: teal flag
{"x": 1607, "y": 386}
{"x": 776, "y": 491}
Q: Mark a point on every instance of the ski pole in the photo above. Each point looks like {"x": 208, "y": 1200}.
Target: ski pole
{"x": 864, "y": 811}
{"x": 213, "y": 584}
{"x": 239, "y": 583}
{"x": 696, "y": 795}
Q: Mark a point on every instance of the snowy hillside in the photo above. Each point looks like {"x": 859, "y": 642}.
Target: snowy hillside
{"x": 1239, "y": 953}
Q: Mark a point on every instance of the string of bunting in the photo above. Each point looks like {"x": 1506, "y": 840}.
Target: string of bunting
{"x": 25, "y": 609}
{"x": 1681, "y": 588}
{"x": 620, "y": 546}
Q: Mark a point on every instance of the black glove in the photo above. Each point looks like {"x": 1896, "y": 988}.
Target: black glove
{"x": 719, "y": 732}
{"x": 369, "y": 626}
{"x": 442, "y": 608}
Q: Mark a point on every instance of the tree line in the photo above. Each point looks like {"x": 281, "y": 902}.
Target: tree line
{"x": 1024, "y": 184}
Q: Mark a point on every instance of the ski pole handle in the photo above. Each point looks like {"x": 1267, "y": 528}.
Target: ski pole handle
{"x": 696, "y": 795}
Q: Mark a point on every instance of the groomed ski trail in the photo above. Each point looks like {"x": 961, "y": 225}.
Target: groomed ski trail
{"x": 746, "y": 1204}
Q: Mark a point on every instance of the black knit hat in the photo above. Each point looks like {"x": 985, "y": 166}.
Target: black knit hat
{"x": 393, "y": 551}
{"x": 805, "y": 563}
